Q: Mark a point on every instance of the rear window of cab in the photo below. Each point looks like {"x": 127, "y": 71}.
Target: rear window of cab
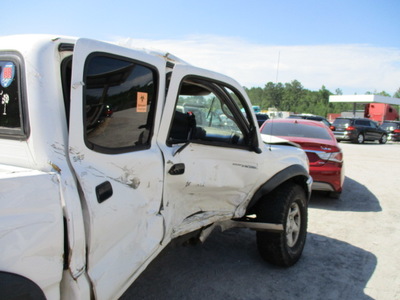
{"x": 11, "y": 108}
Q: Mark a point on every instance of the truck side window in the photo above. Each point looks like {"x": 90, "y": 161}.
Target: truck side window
{"x": 11, "y": 112}
{"x": 206, "y": 112}
{"x": 119, "y": 98}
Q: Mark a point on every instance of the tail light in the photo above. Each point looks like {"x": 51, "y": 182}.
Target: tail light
{"x": 350, "y": 128}
{"x": 396, "y": 131}
{"x": 332, "y": 128}
{"x": 331, "y": 156}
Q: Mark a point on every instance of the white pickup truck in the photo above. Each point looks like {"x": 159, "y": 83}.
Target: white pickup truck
{"x": 107, "y": 154}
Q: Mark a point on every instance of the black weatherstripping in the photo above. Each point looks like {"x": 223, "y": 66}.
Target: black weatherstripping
{"x": 65, "y": 47}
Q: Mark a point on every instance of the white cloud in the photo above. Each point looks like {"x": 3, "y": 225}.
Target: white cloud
{"x": 352, "y": 68}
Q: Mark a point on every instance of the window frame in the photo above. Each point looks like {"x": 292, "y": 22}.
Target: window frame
{"x": 151, "y": 115}
{"x": 363, "y": 123}
{"x": 372, "y": 124}
{"x": 244, "y": 123}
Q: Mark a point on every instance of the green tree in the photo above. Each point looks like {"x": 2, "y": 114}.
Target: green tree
{"x": 292, "y": 94}
{"x": 383, "y": 93}
{"x": 338, "y": 92}
{"x": 273, "y": 94}
{"x": 324, "y": 106}
{"x": 397, "y": 94}
{"x": 256, "y": 95}
{"x": 294, "y": 97}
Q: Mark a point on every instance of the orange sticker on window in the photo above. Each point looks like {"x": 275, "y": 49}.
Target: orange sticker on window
{"x": 141, "y": 105}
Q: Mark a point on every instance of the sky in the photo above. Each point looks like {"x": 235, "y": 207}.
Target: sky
{"x": 351, "y": 45}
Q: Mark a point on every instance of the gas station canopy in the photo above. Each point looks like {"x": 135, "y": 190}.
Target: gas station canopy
{"x": 364, "y": 99}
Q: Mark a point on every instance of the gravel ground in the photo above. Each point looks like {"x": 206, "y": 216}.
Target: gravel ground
{"x": 352, "y": 249}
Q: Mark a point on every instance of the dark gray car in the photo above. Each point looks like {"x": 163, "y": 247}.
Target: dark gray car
{"x": 358, "y": 130}
{"x": 393, "y": 130}
{"x": 311, "y": 117}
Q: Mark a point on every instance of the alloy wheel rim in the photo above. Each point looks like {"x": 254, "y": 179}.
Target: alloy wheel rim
{"x": 293, "y": 223}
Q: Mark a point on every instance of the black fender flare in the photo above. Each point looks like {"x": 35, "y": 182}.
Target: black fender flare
{"x": 13, "y": 286}
{"x": 296, "y": 173}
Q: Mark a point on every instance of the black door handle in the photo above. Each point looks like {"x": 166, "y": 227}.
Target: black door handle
{"x": 104, "y": 191}
{"x": 177, "y": 169}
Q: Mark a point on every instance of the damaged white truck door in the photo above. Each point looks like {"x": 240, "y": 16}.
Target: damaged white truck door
{"x": 210, "y": 165}
{"x": 114, "y": 99}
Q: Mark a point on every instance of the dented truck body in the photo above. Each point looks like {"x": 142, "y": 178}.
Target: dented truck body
{"x": 100, "y": 169}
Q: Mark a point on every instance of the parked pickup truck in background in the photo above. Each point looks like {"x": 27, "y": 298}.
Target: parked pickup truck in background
{"x": 101, "y": 166}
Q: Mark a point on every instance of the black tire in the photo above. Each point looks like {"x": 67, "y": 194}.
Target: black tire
{"x": 360, "y": 139}
{"x": 284, "y": 248}
{"x": 383, "y": 139}
{"x": 13, "y": 286}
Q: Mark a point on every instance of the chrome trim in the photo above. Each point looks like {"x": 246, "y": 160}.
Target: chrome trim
{"x": 316, "y": 151}
{"x": 322, "y": 186}
{"x": 309, "y": 185}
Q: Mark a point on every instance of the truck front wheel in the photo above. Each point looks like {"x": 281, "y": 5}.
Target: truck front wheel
{"x": 287, "y": 205}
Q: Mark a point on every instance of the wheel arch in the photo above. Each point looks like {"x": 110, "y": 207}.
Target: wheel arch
{"x": 294, "y": 173}
{"x": 14, "y": 286}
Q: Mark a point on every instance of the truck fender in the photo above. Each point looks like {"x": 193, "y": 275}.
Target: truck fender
{"x": 297, "y": 173}
{"x": 13, "y": 286}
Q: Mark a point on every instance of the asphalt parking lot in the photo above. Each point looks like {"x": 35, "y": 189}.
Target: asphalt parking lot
{"x": 352, "y": 249}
